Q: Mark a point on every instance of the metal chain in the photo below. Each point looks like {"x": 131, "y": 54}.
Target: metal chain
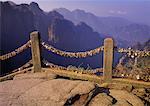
{"x": 72, "y": 54}
{"x": 130, "y": 52}
{"x": 134, "y": 53}
{"x": 16, "y": 51}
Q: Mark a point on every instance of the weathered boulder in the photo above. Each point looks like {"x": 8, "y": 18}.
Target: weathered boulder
{"x": 10, "y": 90}
{"x": 53, "y": 93}
{"x": 102, "y": 99}
{"x": 132, "y": 99}
{"x": 37, "y": 90}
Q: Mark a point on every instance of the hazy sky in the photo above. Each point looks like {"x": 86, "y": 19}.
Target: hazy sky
{"x": 135, "y": 10}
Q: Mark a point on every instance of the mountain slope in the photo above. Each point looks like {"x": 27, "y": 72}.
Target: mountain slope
{"x": 18, "y": 21}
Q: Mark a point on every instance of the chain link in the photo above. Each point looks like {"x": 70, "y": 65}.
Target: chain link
{"x": 72, "y": 54}
{"x": 134, "y": 53}
{"x": 16, "y": 51}
{"x": 130, "y": 52}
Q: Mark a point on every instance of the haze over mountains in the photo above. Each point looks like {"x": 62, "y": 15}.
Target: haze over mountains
{"x": 119, "y": 28}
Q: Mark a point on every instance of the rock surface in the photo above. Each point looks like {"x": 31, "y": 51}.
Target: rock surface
{"x": 101, "y": 99}
{"x": 11, "y": 90}
{"x": 127, "y": 87}
{"x": 37, "y": 90}
{"x": 130, "y": 98}
{"x": 40, "y": 75}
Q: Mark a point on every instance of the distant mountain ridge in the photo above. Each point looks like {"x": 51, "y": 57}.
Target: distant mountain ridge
{"x": 119, "y": 28}
{"x": 144, "y": 46}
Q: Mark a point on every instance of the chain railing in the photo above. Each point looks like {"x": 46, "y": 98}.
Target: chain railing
{"x": 129, "y": 51}
{"x": 16, "y": 51}
{"x": 72, "y": 54}
{"x": 107, "y": 49}
{"x": 133, "y": 53}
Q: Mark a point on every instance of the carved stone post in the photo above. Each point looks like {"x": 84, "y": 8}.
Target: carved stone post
{"x": 108, "y": 59}
{"x": 35, "y": 48}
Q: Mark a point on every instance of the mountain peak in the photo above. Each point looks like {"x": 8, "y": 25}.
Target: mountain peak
{"x": 35, "y": 8}
{"x": 78, "y": 10}
{"x": 34, "y": 4}
{"x": 61, "y": 9}
{"x": 55, "y": 14}
{"x": 10, "y": 3}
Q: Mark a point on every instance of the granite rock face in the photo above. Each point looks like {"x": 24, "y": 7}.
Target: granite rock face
{"x": 40, "y": 90}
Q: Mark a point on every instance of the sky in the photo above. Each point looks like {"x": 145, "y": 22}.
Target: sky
{"x": 133, "y": 10}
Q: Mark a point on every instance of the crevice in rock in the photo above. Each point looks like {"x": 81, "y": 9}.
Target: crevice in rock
{"x": 71, "y": 100}
{"x": 114, "y": 100}
{"x": 146, "y": 102}
{"x": 82, "y": 100}
{"x": 145, "y": 97}
{"x": 95, "y": 92}
{"x": 62, "y": 77}
{"x": 129, "y": 103}
{"x": 78, "y": 99}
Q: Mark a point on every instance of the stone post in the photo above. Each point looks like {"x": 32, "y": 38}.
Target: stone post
{"x": 108, "y": 60}
{"x": 35, "y": 48}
